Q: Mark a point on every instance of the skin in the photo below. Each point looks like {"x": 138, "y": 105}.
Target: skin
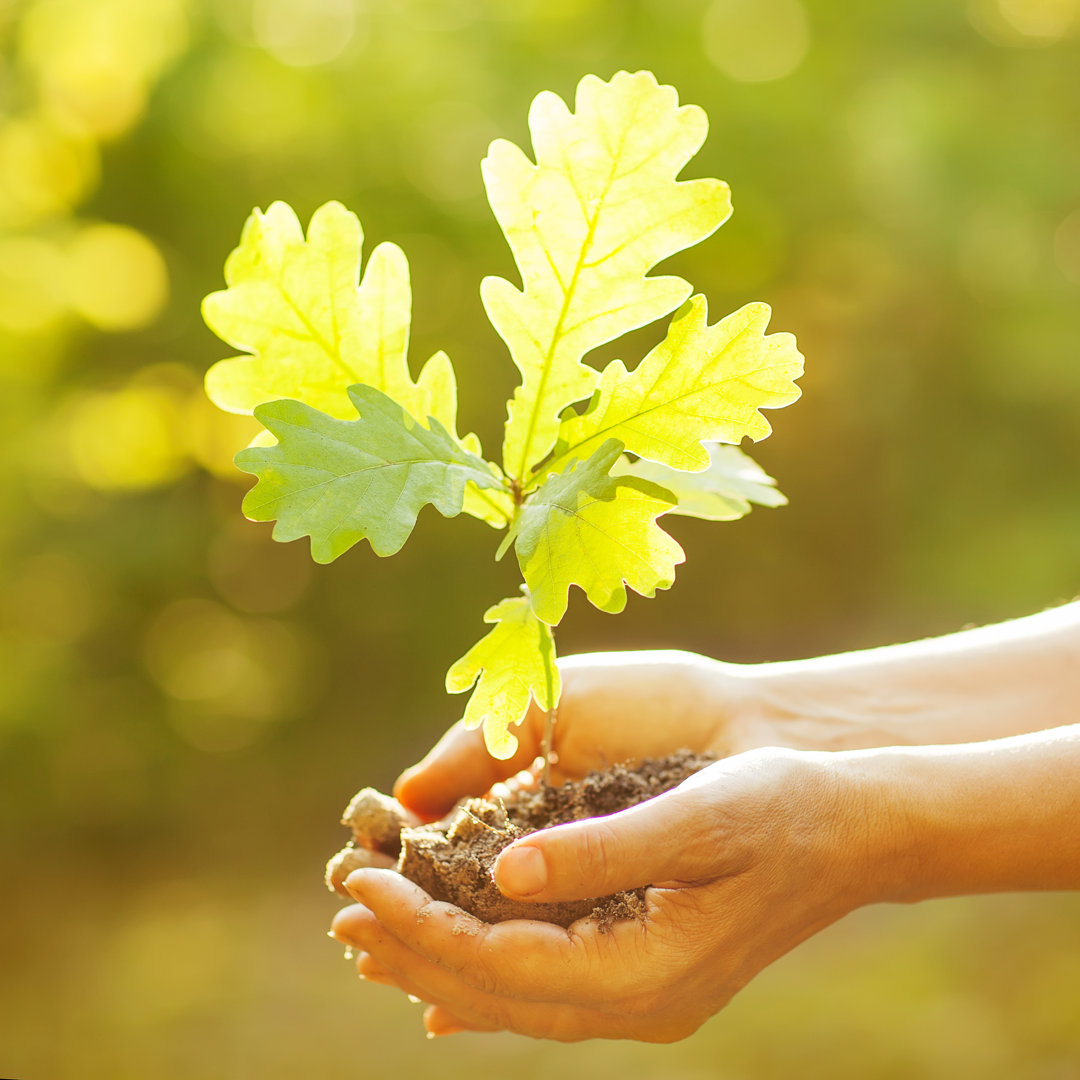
{"x": 924, "y": 770}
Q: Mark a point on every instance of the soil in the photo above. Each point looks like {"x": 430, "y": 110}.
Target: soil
{"x": 452, "y": 859}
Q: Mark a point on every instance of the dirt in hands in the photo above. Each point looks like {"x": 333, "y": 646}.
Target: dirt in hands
{"x": 452, "y": 859}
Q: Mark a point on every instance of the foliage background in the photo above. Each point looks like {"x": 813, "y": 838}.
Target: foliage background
{"x": 185, "y": 707}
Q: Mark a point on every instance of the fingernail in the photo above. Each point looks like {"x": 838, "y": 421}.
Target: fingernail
{"x": 367, "y": 968}
{"x": 406, "y": 776}
{"x": 356, "y": 880}
{"x": 521, "y": 871}
{"x": 378, "y": 980}
{"x": 341, "y": 931}
{"x": 438, "y": 1026}
{"x": 345, "y": 939}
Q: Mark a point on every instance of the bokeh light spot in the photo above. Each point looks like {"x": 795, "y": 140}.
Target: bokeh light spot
{"x": 32, "y": 293}
{"x": 127, "y": 439}
{"x": 215, "y": 437}
{"x": 93, "y": 62}
{"x": 1024, "y": 22}
{"x": 304, "y": 33}
{"x": 43, "y": 171}
{"x": 249, "y": 103}
{"x": 230, "y": 675}
{"x": 756, "y": 40}
{"x": 117, "y": 278}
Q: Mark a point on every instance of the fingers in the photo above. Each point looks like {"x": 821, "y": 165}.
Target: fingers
{"x": 369, "y": 970}
{"x": 469, "y": 1007}
{"x": 439, "y": 1021}
{"x": 663, "y": 841}
{"x": 530, "y": 977}
{"x": 459, "y": 765}
{"x": 522, "y": 958}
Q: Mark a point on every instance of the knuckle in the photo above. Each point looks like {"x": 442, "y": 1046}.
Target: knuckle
{"x": 482, "y": 979}
{"x": 483, "y": 972}
{"x": 597, "y": 855}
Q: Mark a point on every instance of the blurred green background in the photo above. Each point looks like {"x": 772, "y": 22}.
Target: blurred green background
{"x": 186, "y": 706}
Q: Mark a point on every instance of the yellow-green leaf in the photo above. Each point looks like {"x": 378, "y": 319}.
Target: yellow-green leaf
{"x": 293, "y": 304}
{"x": 701, "y": 383}
{"x": 339, "y": 481}
{"x": 586, "y": 528}
{"x": 514, "y": 663}
{"x": 723, "y": 492}
{"x": 595, "y": 213}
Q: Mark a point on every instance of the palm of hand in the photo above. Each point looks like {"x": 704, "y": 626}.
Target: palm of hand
{"x": 736, "y": 892}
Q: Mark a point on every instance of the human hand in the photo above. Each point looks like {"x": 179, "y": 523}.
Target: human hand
{"x": 615, "y": 707}
{"x": 746, "y": 859}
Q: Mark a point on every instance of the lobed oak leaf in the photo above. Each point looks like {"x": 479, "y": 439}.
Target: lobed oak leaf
{"x": 339, "y": 481}
{"x": 311, "y": 332}
{"x": 586, "y": 223}
{"x": 584, "y": 527}
{"x": 722, "y": 492}
{"x": 701, "y": 383}
{"x": 511, "y": 665}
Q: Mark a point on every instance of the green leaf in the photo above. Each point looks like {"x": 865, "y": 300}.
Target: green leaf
{"x": 294, "y": 305}
{"x": 586, "y": 528}
{"x": 700, "y": 383}
{"x": 339, "y": 481}
{"x": 599, "y": 209}
{"x": 723, "y": 492}
{"x": 514, "y": 663}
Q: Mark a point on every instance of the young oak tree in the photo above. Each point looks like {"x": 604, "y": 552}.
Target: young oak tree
{"x": 354, "y": 448}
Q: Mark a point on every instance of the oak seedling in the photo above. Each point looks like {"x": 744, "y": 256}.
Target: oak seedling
{"x": 354, "y": 447}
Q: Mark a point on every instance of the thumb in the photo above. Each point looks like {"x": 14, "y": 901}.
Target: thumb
{"x": 663, "y": 841}
{"x": 458, "y": 765}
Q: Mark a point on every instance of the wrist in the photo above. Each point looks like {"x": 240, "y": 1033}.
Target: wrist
{"x": 806, "y": 705}
{"x": 884, "y": 794}
{"x": 851, "y": 832}
{"x": 813, "y": 825}
{"x": 957, "y": 820}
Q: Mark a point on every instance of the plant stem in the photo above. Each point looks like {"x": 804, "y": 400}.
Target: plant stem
{"x": 545, "y": 746}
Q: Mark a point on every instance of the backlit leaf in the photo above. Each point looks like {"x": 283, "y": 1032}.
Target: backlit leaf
{"x": 294, "y": 305}
{"x": 586, "y": 222}
{"x": 514, "y": 663}
{"x": 723, "y": 492}
{"x": 586, "y": 528}
{"x": 700, "y": 383}
{"x": 339, "y": 481}
{"x": 361, "y": 448}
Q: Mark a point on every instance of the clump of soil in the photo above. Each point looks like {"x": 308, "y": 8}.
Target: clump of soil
{"x": 452, "y": 859}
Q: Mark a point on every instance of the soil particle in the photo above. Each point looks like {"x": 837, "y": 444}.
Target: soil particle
{"x": 376, "y": 821}
{"x": 351, "y": 858}
{"x": 452, "y": 859}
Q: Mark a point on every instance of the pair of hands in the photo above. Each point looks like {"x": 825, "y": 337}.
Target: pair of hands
{"x": 745, "y": 860}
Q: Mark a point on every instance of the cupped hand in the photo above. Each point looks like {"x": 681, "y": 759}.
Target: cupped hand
{"x": 745, "y": 859}
{"x": 615, "y": 707}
